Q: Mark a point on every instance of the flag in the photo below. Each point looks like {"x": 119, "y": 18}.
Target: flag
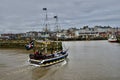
{"x": 44, "y": 8}
{"x": 55, "y": 16}
{"x": 30, "y": 45}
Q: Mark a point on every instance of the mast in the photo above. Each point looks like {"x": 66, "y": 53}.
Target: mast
{"x": 46, "y": 28}
{"x": 57, "y": 30}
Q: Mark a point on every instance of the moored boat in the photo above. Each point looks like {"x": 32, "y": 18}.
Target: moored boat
{"x": 112, "y": 39}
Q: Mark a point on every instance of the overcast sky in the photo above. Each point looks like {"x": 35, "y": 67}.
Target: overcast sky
{"x": 27, "y": 15}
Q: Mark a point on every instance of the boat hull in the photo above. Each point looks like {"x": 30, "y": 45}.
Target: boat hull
{"x": 112, "y": 40}
{"x": 48, "y": 62}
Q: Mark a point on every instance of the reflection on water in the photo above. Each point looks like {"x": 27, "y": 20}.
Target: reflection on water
{"x": 87, "y": 60}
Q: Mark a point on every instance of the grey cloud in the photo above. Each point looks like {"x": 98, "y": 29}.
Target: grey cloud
{"x": 25, "y": 15}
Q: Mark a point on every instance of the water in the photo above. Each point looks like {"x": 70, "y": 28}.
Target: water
{"x": 87, "y": 60}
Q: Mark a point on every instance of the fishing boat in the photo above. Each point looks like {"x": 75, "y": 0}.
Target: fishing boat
{"x": 42, "y": 58}
{"x": 47, "y": 60}
{"x": 112, "y": 38}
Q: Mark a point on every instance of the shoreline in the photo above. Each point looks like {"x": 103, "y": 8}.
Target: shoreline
{"x": 20, "y": 44}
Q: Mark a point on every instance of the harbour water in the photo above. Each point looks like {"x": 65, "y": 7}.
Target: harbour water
{"x": 87, "y": 60}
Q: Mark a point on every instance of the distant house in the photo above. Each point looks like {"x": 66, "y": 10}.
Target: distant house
{"x": 20, "y": 35}
{"x": 87, "y": 32}
{"x": 76, "y": 33}
{"x": 44, "y": 34}
{"x": 8, "y": 36}
{"x": 61, "y": 35}
{"x": 39, "y": 34}
{"x": 72, "y": 32}
{"x": 31, "y": 34}
{"x": 4, "y": 37}
{"x": 102, "y": 29}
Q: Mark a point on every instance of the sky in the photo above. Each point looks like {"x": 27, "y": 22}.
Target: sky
{"x": 17, "y": 16}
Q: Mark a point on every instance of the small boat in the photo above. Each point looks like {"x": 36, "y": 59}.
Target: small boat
{"x": 46, "y": 59}
{"x": 112, "y": 38}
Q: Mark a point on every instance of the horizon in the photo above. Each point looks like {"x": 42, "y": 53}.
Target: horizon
{"x": 61, "y": 29}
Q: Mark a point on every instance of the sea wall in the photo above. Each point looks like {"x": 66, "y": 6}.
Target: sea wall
{"x": 20, "y": 44}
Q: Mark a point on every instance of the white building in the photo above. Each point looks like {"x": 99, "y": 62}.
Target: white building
{"x": 102, "y": 29}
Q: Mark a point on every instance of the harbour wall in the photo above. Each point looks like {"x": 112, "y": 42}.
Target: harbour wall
{"x": 20, "y": 44}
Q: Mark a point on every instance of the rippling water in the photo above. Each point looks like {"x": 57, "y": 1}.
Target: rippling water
{"x": 87, "y": 60}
